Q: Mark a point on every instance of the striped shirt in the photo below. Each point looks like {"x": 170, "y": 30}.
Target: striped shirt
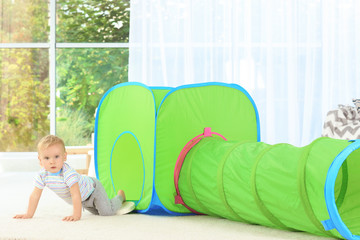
{"x": 61, "y": 182}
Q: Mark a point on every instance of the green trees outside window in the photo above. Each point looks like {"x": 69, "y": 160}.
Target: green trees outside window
{"x": 24, "y": 74}
{"x": 83, "y": 74}
{"x": 93, "y": 21}
{"x": 24, "y": 98}
{"x": 24, "y": 21}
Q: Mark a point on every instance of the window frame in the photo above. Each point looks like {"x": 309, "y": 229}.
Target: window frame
{"x": 52, "y": 46}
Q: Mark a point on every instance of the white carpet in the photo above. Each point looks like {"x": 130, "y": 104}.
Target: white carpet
{"x": 46, "y": 224}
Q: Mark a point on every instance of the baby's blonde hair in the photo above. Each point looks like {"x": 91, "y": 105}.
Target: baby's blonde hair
{"x": 48, "y": 141}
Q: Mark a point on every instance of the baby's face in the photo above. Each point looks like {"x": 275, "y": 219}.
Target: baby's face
{"x": 52, "y": 158}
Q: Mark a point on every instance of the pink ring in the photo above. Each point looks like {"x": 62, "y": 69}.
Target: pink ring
{"x": 180, "y": 161}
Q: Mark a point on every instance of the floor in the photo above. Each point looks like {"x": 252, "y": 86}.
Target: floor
{"x": 46, "y": 224}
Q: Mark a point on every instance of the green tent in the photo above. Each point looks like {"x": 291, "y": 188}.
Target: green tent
{"x": 140, "y": 131}
{"x": 195, "y": 148}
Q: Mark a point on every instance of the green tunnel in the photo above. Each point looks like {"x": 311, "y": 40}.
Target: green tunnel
{"x": 140, "y": 134}
{"x": 280, "y": 186}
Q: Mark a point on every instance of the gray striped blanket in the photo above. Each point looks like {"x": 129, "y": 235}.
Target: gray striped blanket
{"x": 342, "y": 123}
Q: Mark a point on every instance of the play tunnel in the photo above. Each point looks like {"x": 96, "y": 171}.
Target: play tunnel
{"x": 140, "y": 134}
{"x": 314, "y": 189}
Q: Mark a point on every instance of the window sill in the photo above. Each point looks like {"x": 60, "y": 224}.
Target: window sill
{"x": 28, "y": 161}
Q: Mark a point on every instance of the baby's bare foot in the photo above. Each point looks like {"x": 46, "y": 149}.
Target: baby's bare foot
{"x": 122, "y": 194}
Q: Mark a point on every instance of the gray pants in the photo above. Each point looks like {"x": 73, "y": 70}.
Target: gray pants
{"x": 98, "y": 202}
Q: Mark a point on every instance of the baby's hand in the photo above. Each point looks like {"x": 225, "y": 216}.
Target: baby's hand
{"x": 22, "y": 216}
{"x": 72, "y": 218}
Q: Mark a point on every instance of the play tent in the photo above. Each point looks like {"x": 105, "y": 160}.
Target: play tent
{"x": 196, "y": 148}
{"x": 140, "y": 131}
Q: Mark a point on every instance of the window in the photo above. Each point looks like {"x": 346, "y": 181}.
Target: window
{"x": 57, "y": 59}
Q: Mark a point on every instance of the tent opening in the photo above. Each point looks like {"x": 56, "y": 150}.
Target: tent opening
{"x": 128, "y": 163}
{"x": 347, "y": 192}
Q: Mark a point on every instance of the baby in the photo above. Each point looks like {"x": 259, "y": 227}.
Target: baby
{"x": 78, "y": 190}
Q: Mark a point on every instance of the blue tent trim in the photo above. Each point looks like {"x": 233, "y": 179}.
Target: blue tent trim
{"x": 335, "y": 220}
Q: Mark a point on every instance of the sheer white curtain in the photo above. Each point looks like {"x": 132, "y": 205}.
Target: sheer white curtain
{"x": 298, "y": 59}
